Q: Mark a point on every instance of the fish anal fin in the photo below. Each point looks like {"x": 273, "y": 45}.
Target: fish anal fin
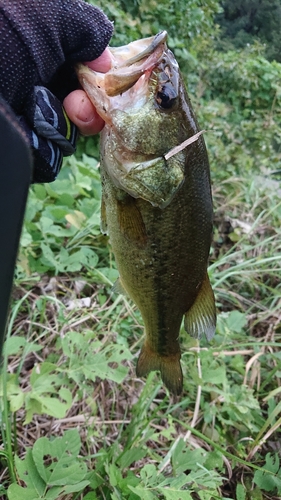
{"x": 169, "y": 367}
{"x": 201, "y": 317}
{"x": 131, "y": 222}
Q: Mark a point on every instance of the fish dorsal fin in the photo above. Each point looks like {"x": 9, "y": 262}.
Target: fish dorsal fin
{"x": 201, "y": 317}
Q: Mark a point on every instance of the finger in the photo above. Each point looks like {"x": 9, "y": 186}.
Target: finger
{"x": 78, "y": 106}
{"x": 82, "y": 113}
{"x": 103, "y": 63}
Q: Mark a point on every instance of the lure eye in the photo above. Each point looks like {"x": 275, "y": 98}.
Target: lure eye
{"x": 166, "y": 97}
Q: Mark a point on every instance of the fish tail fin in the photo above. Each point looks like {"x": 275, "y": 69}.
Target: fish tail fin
{"x": 169, "y": 367}
{"x": 201, "y": 317}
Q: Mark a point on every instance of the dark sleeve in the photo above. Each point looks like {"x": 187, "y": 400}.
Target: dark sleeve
{"x": 41, "y": 38}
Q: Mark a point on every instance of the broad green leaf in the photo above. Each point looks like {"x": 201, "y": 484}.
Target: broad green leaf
{"x": 267, "y": 481}
{"x": 236, "y": 321}
{"x": 114, "y": 496}
{"x": 174, "y": 494}
{"x": 143, "y": 493}
{"x": 49, "y": 256}
{"x": 185, "y": 459}
{"x": 32, "y": 406}
{"x": 149, "y": 474}
{"x": 214, "y": 376}
{"x": 40, "y": 191}
{"x": 16, "y": 397}
{"x": 214, "y": 460}
{"x": 54, "y": 493}
{"x": 55, "y": 213}
{"x": 90, "y": 496}
{"x": 240, "y": 492}
{"x": 56, "y": 461}
{"x": 91, "y": 359}
{"x": 74, "y": 488}
{"x": 75, "y": 261}
{"x": 26, "y": 238}
{"x": 15, "y": 394}
{"x": 62, "y": 231}
{"x": 114, "y": 473}
{"x": 41, "y": 376}
{"x": 130, "y": 456}
{"x": 128, "y": 480}
{"x": 46, "y": 394}
{"x": 27, "y": 472}
{"x": 13, "y": 345}
{"x": 205, "y": 479}
{"x": 53, "y": 406}
{"x": 174, "y": 483}
{"x": 107, "y": 275}
{"x": 34, "y": 206}
{"x": 113, "y": 354}
{"x": 16, "y": 492}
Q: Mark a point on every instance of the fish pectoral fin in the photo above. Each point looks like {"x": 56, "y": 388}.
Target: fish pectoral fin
{"x": 201, "y": 317}
{"x": 155, "y": 181}
{"x": 118, "y": 287}
{"x": 131, "y": 222}
{"x": 169, "y": 367}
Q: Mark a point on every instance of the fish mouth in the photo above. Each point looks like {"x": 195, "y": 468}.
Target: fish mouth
{"x": 129, "y": 64}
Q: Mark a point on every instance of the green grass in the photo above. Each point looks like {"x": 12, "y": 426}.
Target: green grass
{"x": 70, "y": 397}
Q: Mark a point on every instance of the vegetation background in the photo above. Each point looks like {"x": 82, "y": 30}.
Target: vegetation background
{"x": 75, "y": 421}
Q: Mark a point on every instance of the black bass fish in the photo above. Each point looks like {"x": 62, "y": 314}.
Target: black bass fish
{"x": 156, "y": 203}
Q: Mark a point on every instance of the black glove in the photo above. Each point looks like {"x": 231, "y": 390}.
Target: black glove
{"x": 40, "y": 42}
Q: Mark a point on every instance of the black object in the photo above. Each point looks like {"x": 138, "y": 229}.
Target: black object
{"x": 15, "y": 176}
{"x": 40, "y": 39}
{"x": 40, "y": 42}
{"x": 50, "y": 133}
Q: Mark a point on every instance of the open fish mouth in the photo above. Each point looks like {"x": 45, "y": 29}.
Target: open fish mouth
{"x": 139, "y": 99}
{"x": 132, "y": 61}
{"x": 131, "y": 64}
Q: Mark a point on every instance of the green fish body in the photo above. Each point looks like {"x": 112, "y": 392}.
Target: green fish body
{"x": 156, "y": 210}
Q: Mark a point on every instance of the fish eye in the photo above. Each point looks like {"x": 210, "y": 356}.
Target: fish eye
{"x": 166, "y": 97}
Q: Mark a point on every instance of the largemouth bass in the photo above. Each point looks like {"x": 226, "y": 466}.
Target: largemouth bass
{"x": 156, "y": 202}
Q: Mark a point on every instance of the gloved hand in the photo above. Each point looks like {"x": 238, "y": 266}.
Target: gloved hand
{"x": 40, "y": 42}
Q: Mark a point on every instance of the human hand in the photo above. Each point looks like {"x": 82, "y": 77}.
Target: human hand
{"x": 78, "y": 106}
{"x": 40, "y": 43}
